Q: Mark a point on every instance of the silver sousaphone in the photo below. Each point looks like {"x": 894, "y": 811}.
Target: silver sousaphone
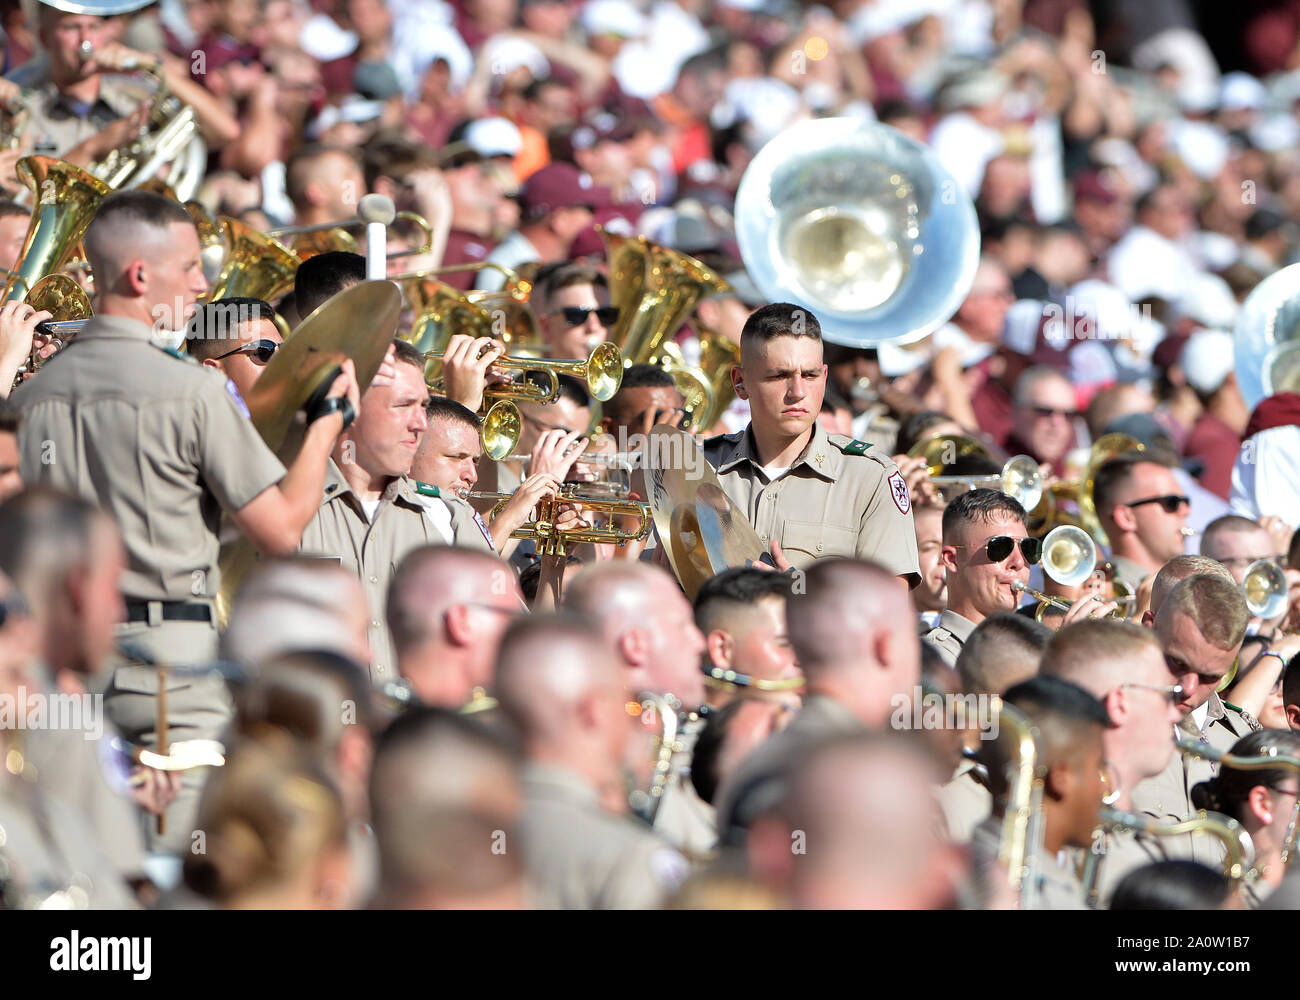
{"x": 861, "y": 225}
{"x": 1267, "y": 352}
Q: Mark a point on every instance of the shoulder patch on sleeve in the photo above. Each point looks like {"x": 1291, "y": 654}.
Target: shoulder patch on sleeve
{"x": 898, "y": 490}
{"x": 427, "y": 489}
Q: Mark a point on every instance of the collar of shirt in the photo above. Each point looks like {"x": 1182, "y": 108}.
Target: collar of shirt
{"x": 956, "y": 624}
{"x": 556, "y": 781}
{"x": 400, "y": 488}
{"x": 820, "y": 456}
{"x": 115, "y": 328}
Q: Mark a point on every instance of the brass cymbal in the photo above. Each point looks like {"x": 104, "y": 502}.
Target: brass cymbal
{"x": 701, "y": 530}
{"x": 358, "y": 323}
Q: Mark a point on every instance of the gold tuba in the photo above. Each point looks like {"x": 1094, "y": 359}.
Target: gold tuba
{"x": 256, "y": 265}
{"x": 655, "y": 289}
{"x": 1049, "y": 513}
{"x": 441, "y": 310}
{"x": 1023, "y": 826}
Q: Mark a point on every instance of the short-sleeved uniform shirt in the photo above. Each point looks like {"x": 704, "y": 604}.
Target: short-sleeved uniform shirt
{"x": 839, "y": 499}
{"x": 371, "y": 547}
{"x": 153, "y": 439}
{"x": 59, "y": 123}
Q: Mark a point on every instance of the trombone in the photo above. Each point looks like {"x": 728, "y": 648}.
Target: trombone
{"x": 554, "y": 541}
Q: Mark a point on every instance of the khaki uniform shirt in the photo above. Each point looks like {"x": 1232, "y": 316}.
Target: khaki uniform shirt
{"x": 370, "y": 548}
{"x": 1058, "y": 885}
{"x": 154, "y": 440}
{"x": 47, "y": 848}
{"x": 1168, "y": 796}
{"x": 949, "y": 636}
{"x": 581, "y": 857}
{"x": 965, "y": 802}
{"x": 756, "y": 784}
{"x": 57, "y": 123}
{"x": 1119, "y": 852}
{"x": 838, "y": 499}
{"x": 684, "y": 819}
{"x": 467, "y": 528}
{"x": 1129, "y": 572}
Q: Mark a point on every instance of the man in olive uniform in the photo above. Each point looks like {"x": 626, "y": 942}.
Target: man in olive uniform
{"x": 79, "y": 108}
{"x": 159, "y": 444}
{"x": 854, "y": 634}
{"x": 811, "y": 494}
{"x": 371, "y": 512}
{"x": 1201, "y": 625}
{"x": 446, "y": 462}
{"x": 564, "y": 690}
{"x": 986, "y": 550}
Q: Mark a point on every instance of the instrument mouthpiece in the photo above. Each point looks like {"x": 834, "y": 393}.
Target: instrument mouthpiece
{"x": 377, "y": 208}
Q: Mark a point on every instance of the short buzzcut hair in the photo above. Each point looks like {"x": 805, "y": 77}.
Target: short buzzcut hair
{"x": 407, "y": 354}
{"x": 131, "y": 210}
{"x": 44, "y": 535}
{"x": 981, "y": 505}
{"x": 566, "y": 274}
{"x": 442, "y": 408}
{"x": 298, "y": 169}
{"x": 779, "y": 319}
{"x": 1228, "y": 524}
{"x": 1217, "y": 607}
{"x": 323, "y": 276}
{"x": 1084, "y": 649}
{"x": 215, "y": 324}
{"x": 1003, "y": 650}
{"x": 1180, "y": 568}
{"x": 1030, "y": 377}
{"x": 732, "y": 590}
{"x": 1059, "y": 709}
{"x": 1113, "y": 476}
{"x": 11, "y": 418}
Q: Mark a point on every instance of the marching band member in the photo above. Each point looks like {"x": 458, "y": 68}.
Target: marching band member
{"x": 808, "y": 494}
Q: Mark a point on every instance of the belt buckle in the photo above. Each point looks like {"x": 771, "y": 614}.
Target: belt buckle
{"x": 155, "y": 613}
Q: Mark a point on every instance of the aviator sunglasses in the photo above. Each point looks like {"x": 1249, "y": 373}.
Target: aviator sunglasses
{"x": 262, "y": 351}
{"x": 999, "y": 547}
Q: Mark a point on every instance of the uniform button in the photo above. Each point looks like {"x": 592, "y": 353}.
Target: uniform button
{"x": 379, "y": 668}
{"x": 374, "y": 579}
{"x": 374, "y": 624}
{"x": 762, "y": 538}
{"x": 819, "y": 546}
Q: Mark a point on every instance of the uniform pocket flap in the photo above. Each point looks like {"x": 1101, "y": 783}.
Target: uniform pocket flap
{"x": 817, "y": 539}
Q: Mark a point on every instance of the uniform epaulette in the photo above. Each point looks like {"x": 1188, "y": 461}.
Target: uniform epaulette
{"x": 427, "y": 489}
{"x": 852, "y": 447}
{"x": 729, "y": 438}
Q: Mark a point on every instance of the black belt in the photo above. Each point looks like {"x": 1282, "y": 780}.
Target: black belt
{"x": 172, "y": 611}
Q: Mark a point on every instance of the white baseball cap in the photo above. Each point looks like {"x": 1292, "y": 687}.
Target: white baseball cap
{"x": 1207, "y": 359}
{"x": 491, "y": 137}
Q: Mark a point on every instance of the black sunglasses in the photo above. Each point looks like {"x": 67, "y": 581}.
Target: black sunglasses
{"x": 577, "y": 315}
{"x": 1170, "y": 502}
{"x": 998, "y": 548}
{"x": 12, "y": 607}
{"x": 262, "y": 351}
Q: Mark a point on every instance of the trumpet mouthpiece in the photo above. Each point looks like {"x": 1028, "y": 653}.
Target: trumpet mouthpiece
{"x": 1189, "y": 532}
{"x": 377, "y": 208}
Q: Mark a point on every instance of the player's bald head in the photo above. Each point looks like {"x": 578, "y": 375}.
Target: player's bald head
{"x": 547, "y": 664}
{"x": 432, "y": 579}
{"x": 843, "y": 606}
{"x": 614, "y": 594}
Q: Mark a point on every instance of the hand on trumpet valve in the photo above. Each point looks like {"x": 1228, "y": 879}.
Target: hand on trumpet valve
{"x": 1090, "y": 605}
{"x": 18, "y": 337}
{"x": 519, "y": 508}
{"x": 556, "y": 451}
{"x": 153, "y": 790}
{"x": 467, "y": 367}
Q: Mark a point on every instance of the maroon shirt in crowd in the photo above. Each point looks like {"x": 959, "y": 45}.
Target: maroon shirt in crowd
{"x": 1216, "y": 444}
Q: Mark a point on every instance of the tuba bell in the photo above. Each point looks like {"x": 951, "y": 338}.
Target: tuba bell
{"x": 1266, "y": 356}
{"x": 860, "y": 224}
{"x": 256, "y": 265}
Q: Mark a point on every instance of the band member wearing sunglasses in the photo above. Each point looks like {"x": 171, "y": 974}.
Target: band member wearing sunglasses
{"x": 1143, "y": 512}
{"x": 986, "y": 549}
{"x": 573, "y": 310}
{"x": 237, "y": 337}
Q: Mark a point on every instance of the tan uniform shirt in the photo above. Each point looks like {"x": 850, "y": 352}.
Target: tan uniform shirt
{"x": 1057, "y": 888}
{"x": 949, "y": 636}
{"x": 1129, "y": 572}
{"x": 467, "y": 528}
{"x": 581, "y": 857}
{"x": 1117, "y": 853}
{"x": 1168, "y": 796}
{"x": 838, "y": 499}
{"x": 371, "y": 548}
{"x": 57, "y": 123}
{"x": 155, "y": 441}
{"x": 684, "y": 819}
{"x": 965, "y": 802}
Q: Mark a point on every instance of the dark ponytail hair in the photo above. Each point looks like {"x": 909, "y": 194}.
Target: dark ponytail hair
{"x": 1227, "y": 792}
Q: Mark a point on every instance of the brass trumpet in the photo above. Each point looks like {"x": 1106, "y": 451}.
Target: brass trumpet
{"x": 602, "y": 371}
{"x": 1069, "y": 558}
{"x": 554, "y": 541}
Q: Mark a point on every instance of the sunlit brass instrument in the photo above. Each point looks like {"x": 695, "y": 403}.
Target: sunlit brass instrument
{"x": 1069, "y": 558}
{"x": 655, "y": 290}
{"x": 324, "y": 237}
{"x": 1266, "y": 350}
{"x": 860, "y": 224}
{"x": 441, "y": 310}
{"x": 1049, "y": 513}
{"x": 17, "y": 118}
{"x": 171, "y": 137}
{"x": 1239, "y": 850}
{"x": 553, "y": 541}
{"x": 1266, "y": 589}
{"x": 69, "y": 308}
{"x": 1203, "y": 751}
{"x": 948, "y": 460}
{"x": 255, "y": 265}
{"x": 1023, "y": 825}
{"x": 662, "y": 711}
{"x": 602, "y": 372}
{"x": 718, "y": 355}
